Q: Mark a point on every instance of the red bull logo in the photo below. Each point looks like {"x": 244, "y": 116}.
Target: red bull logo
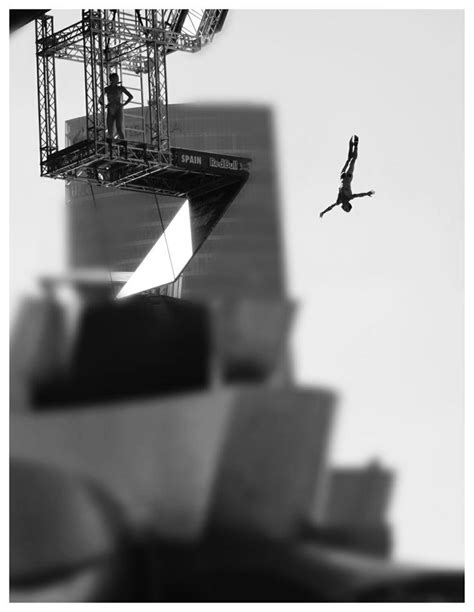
{"x": 224, "y": 164}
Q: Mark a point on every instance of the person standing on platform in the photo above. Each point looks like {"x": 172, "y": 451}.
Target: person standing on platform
{"x": 115, "y": 104}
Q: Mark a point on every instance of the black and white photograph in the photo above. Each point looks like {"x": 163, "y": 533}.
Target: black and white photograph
{"x": 236, "y": 245}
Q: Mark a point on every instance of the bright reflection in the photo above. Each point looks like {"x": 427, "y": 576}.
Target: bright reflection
{"x": 167, "y": 258}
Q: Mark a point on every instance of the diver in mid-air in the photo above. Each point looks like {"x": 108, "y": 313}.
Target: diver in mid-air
{"x": 345, "y": 192}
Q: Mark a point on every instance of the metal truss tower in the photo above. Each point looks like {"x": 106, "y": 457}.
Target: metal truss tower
{"x": 135, "y": 44}
{"x": 48, "y": 123}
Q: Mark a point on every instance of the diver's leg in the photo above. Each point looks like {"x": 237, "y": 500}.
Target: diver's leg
{"x": 350, "y": 168}
{"x": 351, "y": 148}
{"x": 353, "y": 144}
{"x": 352, "y": 160}
{"x": 348, "y": 160}
{"x": 346, "y": 166}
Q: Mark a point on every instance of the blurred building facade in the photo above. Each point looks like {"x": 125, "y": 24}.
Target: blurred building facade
{"x": 243, "y": 257}
{"x": 239, "y": 270}
{"x": 358, "y": 496}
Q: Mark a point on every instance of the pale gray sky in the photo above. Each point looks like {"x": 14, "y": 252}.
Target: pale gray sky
{"x": 381, "y": 289}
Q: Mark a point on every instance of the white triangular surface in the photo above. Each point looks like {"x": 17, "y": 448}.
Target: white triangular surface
{"x": 166, "y": 259}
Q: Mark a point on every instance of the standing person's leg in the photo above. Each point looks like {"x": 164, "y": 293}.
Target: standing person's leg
{"x": 119, "y": 123}
{"x": 110, "y": 123}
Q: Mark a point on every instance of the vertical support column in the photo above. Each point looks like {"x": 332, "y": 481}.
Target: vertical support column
{"x": 157, "y": 82}
{"x": 113, "y": 22}
{"x": 94, "y": 74}
{"x": 46, "y": 80}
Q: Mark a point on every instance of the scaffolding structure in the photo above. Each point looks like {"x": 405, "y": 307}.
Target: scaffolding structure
{"x": 135, "y": 45}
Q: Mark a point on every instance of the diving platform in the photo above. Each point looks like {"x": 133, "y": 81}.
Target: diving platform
{"x": 138, "y": 166}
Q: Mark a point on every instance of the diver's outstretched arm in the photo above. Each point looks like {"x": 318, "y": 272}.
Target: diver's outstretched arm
{"x": 328, "y": 209}
{"x": 362, "y": 195}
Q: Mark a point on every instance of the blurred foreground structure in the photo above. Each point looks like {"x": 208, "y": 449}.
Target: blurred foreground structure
{"x": 160, "y": 448}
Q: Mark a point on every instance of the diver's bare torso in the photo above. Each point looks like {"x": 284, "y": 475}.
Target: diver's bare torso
{"x": 345, "y": 192}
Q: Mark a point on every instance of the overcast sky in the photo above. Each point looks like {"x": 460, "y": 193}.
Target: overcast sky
{"x": 380, "y": 289}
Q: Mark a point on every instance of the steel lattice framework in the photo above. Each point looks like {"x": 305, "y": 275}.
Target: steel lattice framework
{"x": 45, "y": 65}
{"x": 157, "y": 85}
{"x": 93, "y": 41}
{"x": 134, "y": 43}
